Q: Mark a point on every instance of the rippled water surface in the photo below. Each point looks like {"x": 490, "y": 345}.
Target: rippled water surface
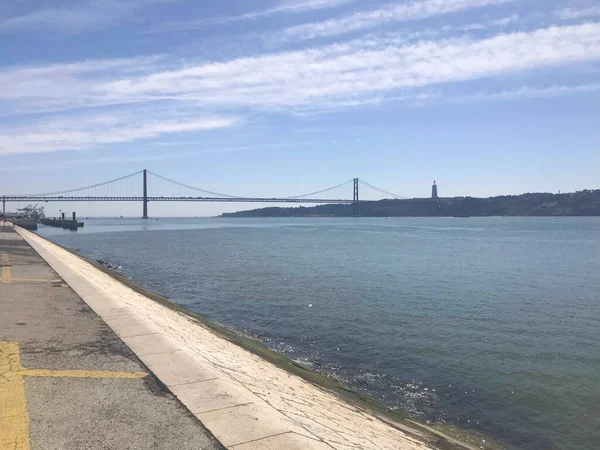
{"x": 492, "y": 324}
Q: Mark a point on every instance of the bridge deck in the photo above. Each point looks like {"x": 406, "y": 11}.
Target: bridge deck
{"x": 174, "y": 199}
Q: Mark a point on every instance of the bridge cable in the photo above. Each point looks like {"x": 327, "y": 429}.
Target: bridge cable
{"x": 381, "y": 190}
{"x": 321, "y": 191}
{"x": 81, "y": 188}
{"x": 192, "y": 187}
{"x": 235, "y": 196}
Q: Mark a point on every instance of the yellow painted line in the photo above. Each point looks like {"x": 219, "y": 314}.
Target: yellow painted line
{"x": 35, "y": 280}
{"x": 7, "y": 278}
{"x": 6, "y": 275}
{"x": 14, "y": 421}
{"x": 79, "y": 373}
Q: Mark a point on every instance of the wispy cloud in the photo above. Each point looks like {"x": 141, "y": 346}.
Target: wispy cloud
{"x": 77, "y": 16}
{"x": 342, "y": 73}
{"x": 484, "y": 25}
{"x": 572, "y": 13}
{"x": 525, "y": 92}
{"x": 417, "y": 34}
{"x": 84, "y": 133}
{"x": 166, "y": 96}
{"x": 288, "y": 6}
{"x": 413, "y": 10}
{"x": 68, "y": 86}
{"x": 347, "y": 72}
{"x": 283, "y": 7}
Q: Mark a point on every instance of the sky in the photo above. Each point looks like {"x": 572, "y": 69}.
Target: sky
{"x": 274, "y": 98}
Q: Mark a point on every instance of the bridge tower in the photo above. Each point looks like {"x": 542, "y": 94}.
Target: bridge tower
{"x": 355, "y": 199}
{"x": 3, "y": 205}
{"x": 145, "y": 216}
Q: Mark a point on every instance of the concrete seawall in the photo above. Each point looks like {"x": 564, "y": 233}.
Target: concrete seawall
{"x": 246, "y": 401}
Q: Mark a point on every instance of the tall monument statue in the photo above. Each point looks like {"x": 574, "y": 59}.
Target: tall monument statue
{"x": 434, "y": 193}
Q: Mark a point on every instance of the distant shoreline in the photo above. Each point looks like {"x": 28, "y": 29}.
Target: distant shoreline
{"x": 584, "y": 203}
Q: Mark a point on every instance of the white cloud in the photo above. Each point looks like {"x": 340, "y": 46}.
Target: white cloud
{"x": 76, "y": 17}
{"x": 73, "y": 133}
{"x": 290, "y": 6}
{"x": 64, "y": 86}
{"x": 412, "y": 10}
{"x": 502, "y": 22}
{"x": 354, "y": 74}
{"x": 525, "y": 92}
{"x": 571, "y": 13}
{"x": 283, "y": 7}
{"x": 350, "y": 72}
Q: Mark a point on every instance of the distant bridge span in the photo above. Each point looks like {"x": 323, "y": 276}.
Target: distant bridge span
{"x": 9, "y": 198}
{"x": 214, "y": 197}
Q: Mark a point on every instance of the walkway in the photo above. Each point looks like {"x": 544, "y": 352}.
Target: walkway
{"x": 66, "y": 380}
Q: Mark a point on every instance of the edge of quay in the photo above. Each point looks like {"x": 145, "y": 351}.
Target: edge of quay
{"x": 248, "y": 396}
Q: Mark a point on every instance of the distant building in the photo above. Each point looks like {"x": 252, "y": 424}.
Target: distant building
{"x": 434, "y": 193}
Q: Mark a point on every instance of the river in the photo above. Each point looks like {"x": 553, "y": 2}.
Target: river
{"x": 490, "y": 324}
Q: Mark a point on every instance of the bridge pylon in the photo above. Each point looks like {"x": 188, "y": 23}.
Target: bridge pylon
{"x": 355, "y": 199}
{"x": 145, "y": 200}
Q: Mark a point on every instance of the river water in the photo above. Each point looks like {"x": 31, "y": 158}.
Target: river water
{"x": 491, "y": 324}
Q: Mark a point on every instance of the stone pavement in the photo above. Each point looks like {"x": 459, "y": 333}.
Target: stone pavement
{"x": 67, "y": 381}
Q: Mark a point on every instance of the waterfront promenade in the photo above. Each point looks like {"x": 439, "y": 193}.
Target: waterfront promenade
{"x": 67, "y": 381}
{"x": 89, "y": 362}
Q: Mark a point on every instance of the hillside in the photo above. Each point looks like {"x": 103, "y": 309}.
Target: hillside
{"x": 582, "y": 203}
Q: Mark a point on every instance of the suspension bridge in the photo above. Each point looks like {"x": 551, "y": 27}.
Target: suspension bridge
{"x": 120, "y": 190}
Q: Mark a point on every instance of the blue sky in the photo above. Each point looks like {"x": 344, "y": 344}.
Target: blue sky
{"x": 281, "y": 97}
